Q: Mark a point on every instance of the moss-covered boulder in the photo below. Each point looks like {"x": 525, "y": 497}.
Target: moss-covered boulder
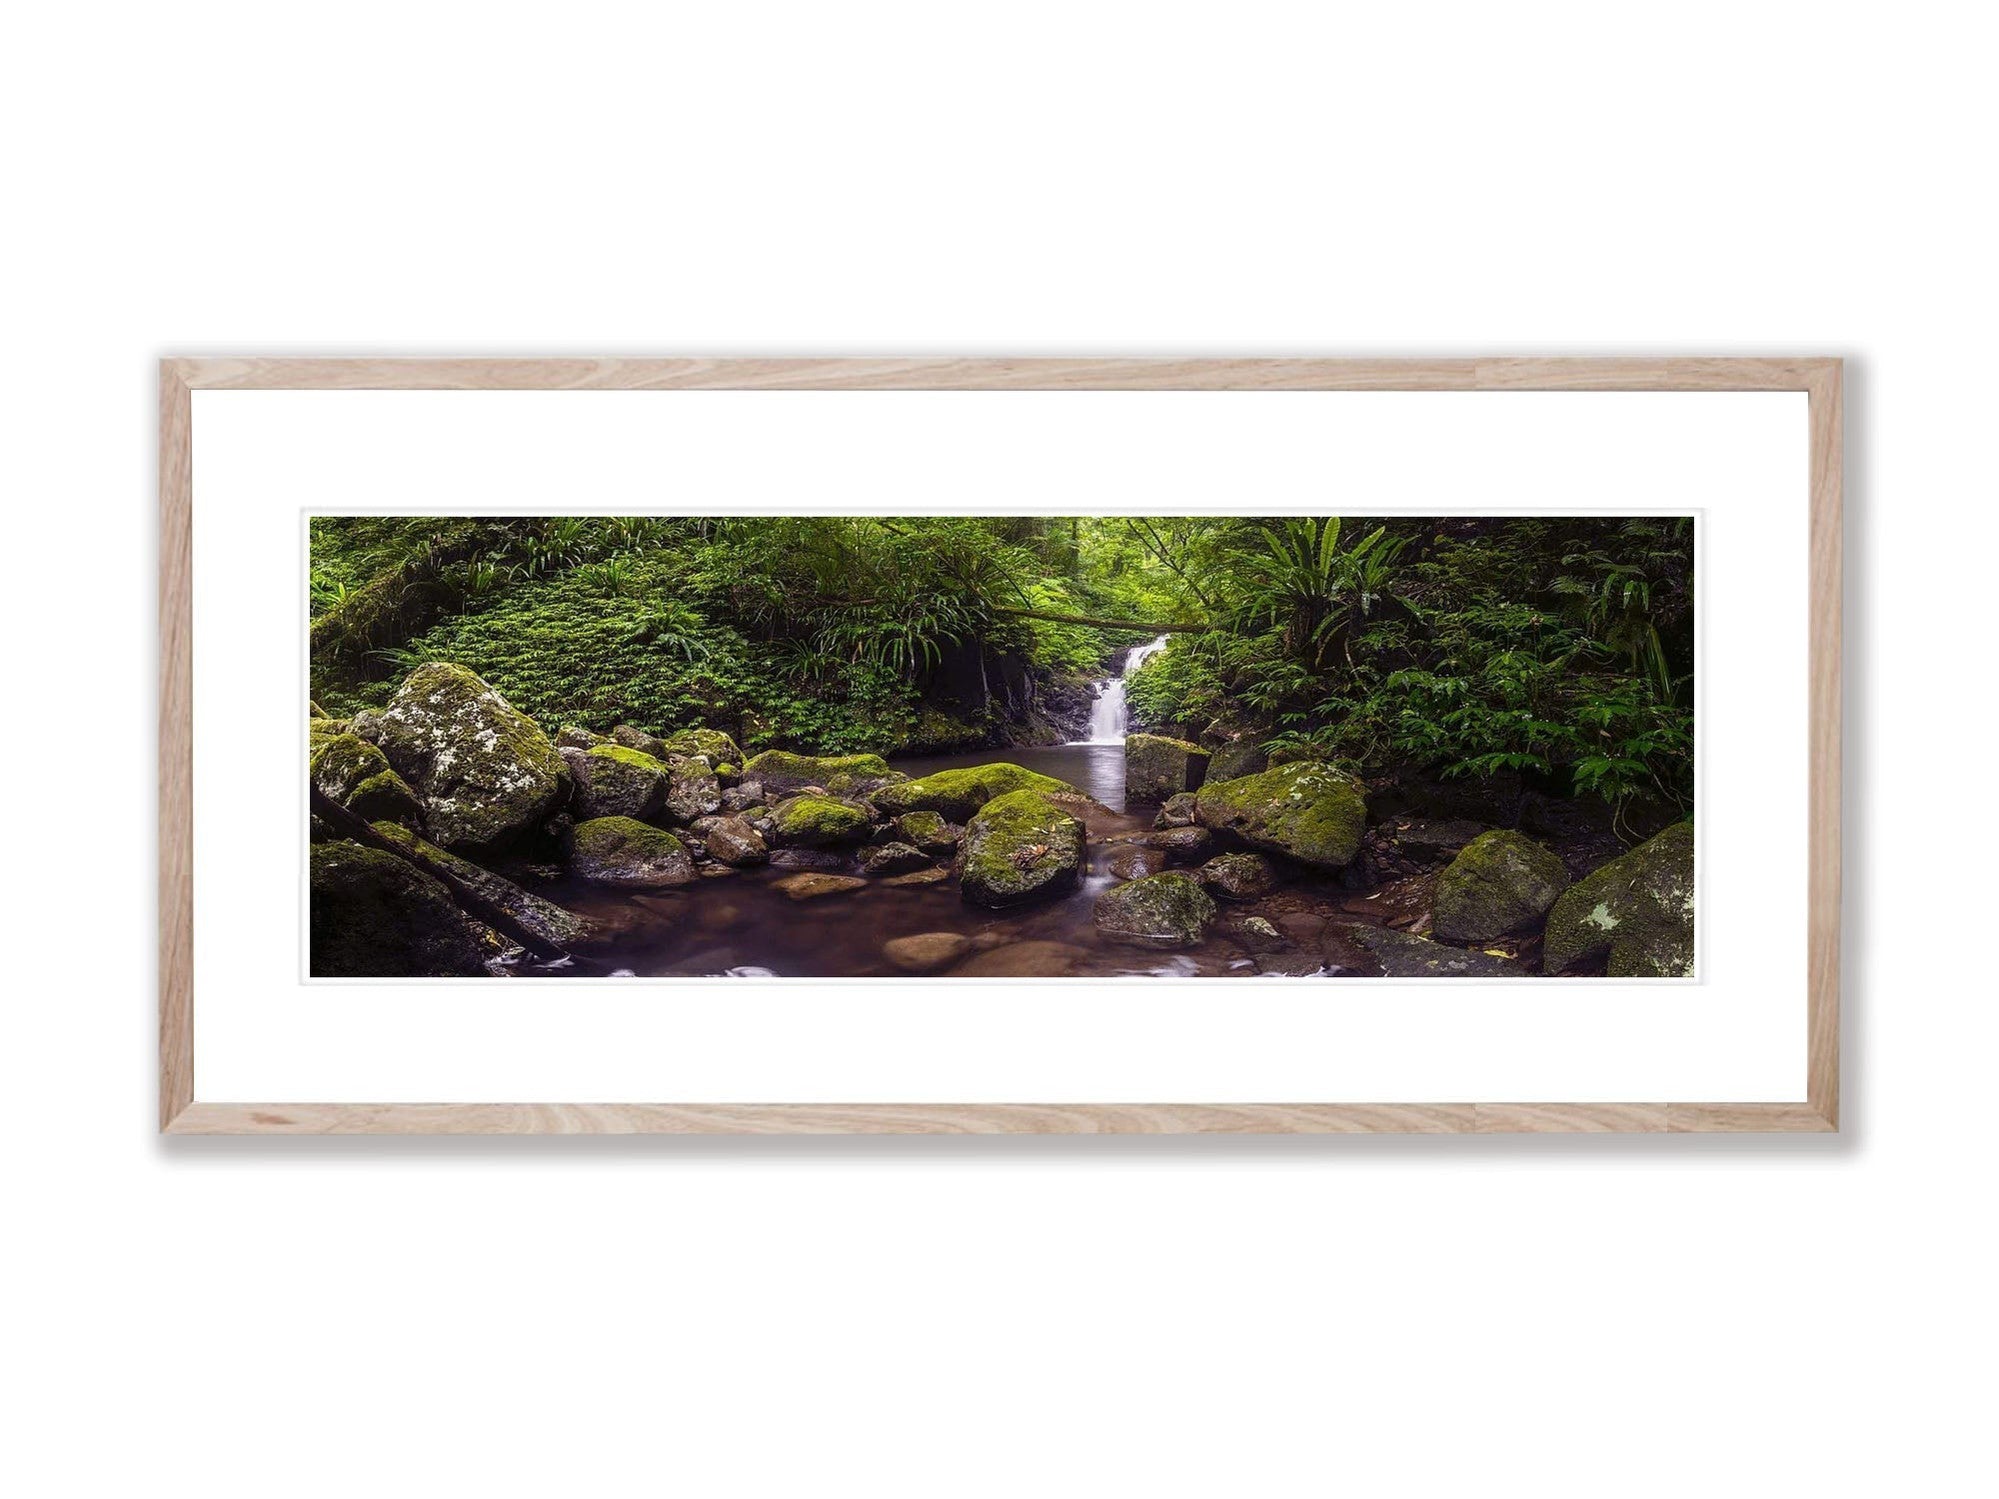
{"x": 1163, "y": 911}
{"x": 357, "y": 775}
{"x": 1156, "y": 767}
{"x": 1238, "y": 758}
{"x": 732, "y": 841}
{"x": 1501, "y": 882}
{"x": 547, "y": 920}
{"x": 615, "y": 781}
{"x": 633, "y": 737}
{"x": 1402, "y": 955}
{"x": 1310, "y": 811}
{"x": 1240, "y": 877}
{"x": 620, "y": 851}
{"x": 893, "y": 858}
{"x": 958, "y": 794}
{"x": 718, "y": 748}
{"x": 692, "y": 790}
{"x": 485, "y": 772}
{"x": 818, "y": 822}
{"x": 929, "y": 832}
{"x": 1636, "y": 912}
{"x": 782, "y": 772}
{"x": 1020, "y": 847}
{"x": 374, "y": 916}
{"x": 571, "y": 736}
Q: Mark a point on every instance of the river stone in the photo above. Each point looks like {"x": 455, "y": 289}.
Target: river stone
{"x": 1036, "y": 959}
{"x": 485, "y": 772}
{"x": 570, "y": 736}
{"x": 1182, "y": 845}
{"x": 743, "y": 796}
{"x": 1239, "y": 876}
{"x": 893, "y": 858}
{"x": 1020, "y": 847}
{"x": 1309, "y": 810}
{"x": 1403, "y": 956}
{"x": 813, "y": 885}
{"x": 1257, "y": 934}
{"x": 632, "y": 737}
{"x": 783, "y": 772}
{"x": 374, "y": 916}
{"x": 735, "y": 843}
{"x": 1134, "y": 861}
{"x": 1162, "y": 911}
{"x": 927, "y": 951}
{"x": 1156, "y": 767}
{"x": 620, "y": 851}
{"x": 931, "y": 876}
{"x": 613, "y": 780}
{"x": 692, "y": 792}
{"x": 352, "y": 772}
{"x": 544, "y": 918}
{"x": 807, "y": 858}
{"x": 1638, "y": 910}
{"x": 717, "y": 747}
{"x": 929, "y": 832}
{"x": 1237, "y": 758}
{"x": 958, "y": 794}
{"x": 1178, "y": 812}
{"x": 818, "y": 822}
{"x": 1502, "y": 882}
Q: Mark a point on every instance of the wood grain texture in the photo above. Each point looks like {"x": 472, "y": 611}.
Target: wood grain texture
{"x": 1819, "y": 378}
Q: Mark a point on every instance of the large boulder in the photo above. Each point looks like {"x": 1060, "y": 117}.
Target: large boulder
{"x": 818, "y": 822}
{"x": 1636, "y": 911}
{"x": 958, "y": 794}
{"x": 633, "y": 737}
{"x": 1502, "y": 882}
{"x": 1310, "y": 811}
{"x": 352, "y": 772}
{"x": 485, "y": 772}
{"x": 620, "y": 851}
{"x": 1159, "y": 911}
{"x": 1020, "y": 847}
{"x": 1402, "y": 955}
{"x": 715, "y": 746}
{"x": 1156, "y": 767}
{"x": 1238, "y": 758}
{"x": 1241, "y": 877}
{"x": 547, "y": 920}
{"x": 374, "y": 916}
{"x": 614, "y": 781}
{"x": 783, "y": 772}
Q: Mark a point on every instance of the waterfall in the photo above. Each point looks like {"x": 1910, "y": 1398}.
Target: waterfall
{"x": 1107, "y": 715}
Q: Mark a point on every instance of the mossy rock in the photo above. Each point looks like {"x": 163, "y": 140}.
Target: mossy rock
{"x": 1178, "y": 812}
{"x": 1310, "y": 811}
{"x": 1238, "y": 758}
{"x": 1501, "y": 882}
{"x": 732, "y": 841}
{"x": 571, "y": 736}
{"x": 1020, "y": 847}
{"x": 1241, "y": 877}
{"x": 547, "y": 920}
{"x": 959, "y": 794}
{"x": 692, "y": 791}
{"x": 818, "y": 822}
{"x": 1636, "y": 912}
{"x": 1162, "y": 911}
{"x": 929, "y": 832}
{"x": 485, "y": 772}
{"x": 352, "y": 772}
{"x": 621, "y": 851}
{"x": 1156, "y": 767}
{"x": 615, "y": 781}
{"x": 783, "y": 772}
{"x": 718, "y": 747}
{"x": 374, "y": 916}
{"x": 633, "y": 737}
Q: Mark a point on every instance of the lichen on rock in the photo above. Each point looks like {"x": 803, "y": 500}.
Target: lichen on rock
{"x": 1311, "y": 811}
{"x": 1162, "y": 911}
{"x": 783, "y": 772}
{"x": 1636, "y": 912}
{"x": 1501, "y": 882}
{"x": 1020, "y": 847}
{"x": 621, "y": 851}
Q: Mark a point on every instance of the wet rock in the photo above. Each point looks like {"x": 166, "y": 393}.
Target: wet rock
{"x": 1242, "y": 877}
{"x": 893, "y": 858}
{"x": 958, "y": 794}
{"x": 1308, "y": 810}
{"x": 1258, "y": 934}
{"x": 743, "y": 796}
{"x": 1182, "y": 845}
{"x": 547, "y": 920}
{"x": 1020, "y": 847}
{"x": 1156, "y": 767}
{"x": 620, "y": 851}
{"x": 734, "y": 842}
{"x": 1302, "y": 927}
{"x": 1402, "y": 955}
{"x": 1023, "y": 960}
{"x": 931, "y": 876}
{"x": 926, "y": 952}
{"x": 357, "y": 775}
{"x": 374, "y": 916}
{"x": 1178, "y": 812}
{"x": 929, "y": 832}
{"x": 1637, "y": 911}
{"x": 783, "y": 773}
{"x": 1502, "y": 882}
{"x": 1133, "y": 861}
{"x": 615, "y": 781}
{"x": 485, "y": 773}
{"x": 1163, "y": 911}
{"x": 813, "y": 886}
{"x": 807, "y": 858}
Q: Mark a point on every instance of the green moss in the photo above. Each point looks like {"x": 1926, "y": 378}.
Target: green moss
{"x": 374, "y": 916}
{"x": 1310, "y": 811}
{"x": 1162, "y": 911}
{"x": 544, "y": 918}
{"x": 626, "y": 756}
{"x": 1020, "y": 847}
{"x": 958, "y": 794}
{"x": 717, "y": 746}
{"x": 1156, "y": 767}
{"x": 1500, "y": 882}
{"x": 613, "y": 780}
{"x": 622, "y": 851}
{"x": 1636, "y": 913}
{"x": 782, "y": 771}
{"x": 817, "y": 821}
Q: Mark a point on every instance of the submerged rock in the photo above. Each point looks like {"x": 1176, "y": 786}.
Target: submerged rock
{"x": 1242, "y": 877}
{"x": 615, "y": 781}
{"x": 357, "y": 775}
{"x": 958, "y": 794}
{"x": 1404, "y": 956}
{"x": 893, "y": 858}
{"x": 1156, "y": 767}
{"x": 927, "y": 951}
{"x": 374, "y": 916}
{"x": 782, "y": 772}
{"x": 485, "y": 773}
{"x": 1638, "y": 911}
{"x": 1309, "y": 810}
{"x": 1163, "y": 911}
{"x": 1257, "y": 934}
{"x": 1502, "y": 882}
{"x": 813, "y": 885}
{"x": 547, "y": 920}
{"x": 930, "y": 876}
{"x": 1134, "y": 861}
{"x": 1035, "y": 959}
{"x": 1020, "y": 847}
{"x": 735, "y": 843}
{"x": 818, "y": 822}
{"x": 620, "y": 851}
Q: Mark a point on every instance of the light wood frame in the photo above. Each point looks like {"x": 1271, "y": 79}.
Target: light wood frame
{"x": 181, "y": 1113}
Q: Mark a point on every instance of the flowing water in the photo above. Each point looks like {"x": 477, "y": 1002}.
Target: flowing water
{"x": 1108, "y": 715}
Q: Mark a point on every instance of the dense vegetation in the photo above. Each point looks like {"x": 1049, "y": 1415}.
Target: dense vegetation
{"x": 1557, "y": 650}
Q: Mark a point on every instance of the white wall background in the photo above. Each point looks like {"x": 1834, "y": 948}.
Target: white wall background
{"x": 993, "y": 1317}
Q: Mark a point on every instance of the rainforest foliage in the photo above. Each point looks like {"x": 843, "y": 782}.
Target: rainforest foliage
{"x": 1559, "y": 650}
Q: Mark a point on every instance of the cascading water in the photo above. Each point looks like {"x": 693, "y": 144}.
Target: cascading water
{"x": 1108, "y": 717}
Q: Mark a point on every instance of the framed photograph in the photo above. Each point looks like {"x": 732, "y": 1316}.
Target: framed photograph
{"x": 996, "y": 745}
